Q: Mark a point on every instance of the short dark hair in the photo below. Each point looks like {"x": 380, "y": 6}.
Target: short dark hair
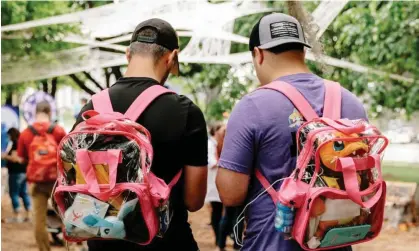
{"x": 284, "y": 48}
{"x": 154, "y": 50}
{"x": 287, "y": 47}
{"x": 84, "y": 100}
{"x": 215, "y": 127}
{"x": 13, "y": 133}
{"x": 43, "y": 107}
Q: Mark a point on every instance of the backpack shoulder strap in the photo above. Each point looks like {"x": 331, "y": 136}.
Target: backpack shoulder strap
{"x": 33, "y": 130}
{"x": 102, "y": 102}
{"x": 332, "y": 100}
{"x": 267, "y": 186}
{"x": 51, "y": 128}
{"x": 295, "y": 97}
{"x": 145, "y": 99}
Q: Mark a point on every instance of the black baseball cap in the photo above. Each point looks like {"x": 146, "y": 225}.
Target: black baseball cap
{"x": 165, "y": 36}
{"x": 276, "y": 29}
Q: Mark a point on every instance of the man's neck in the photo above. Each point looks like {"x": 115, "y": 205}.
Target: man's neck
{"x": 286, "y": 70}
{"x": 142, "y": 68}
{"x": 288, "y": 63}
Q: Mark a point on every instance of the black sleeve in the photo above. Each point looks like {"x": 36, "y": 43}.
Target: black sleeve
{"x": 195, "y": 140}
{"x": 14, "y": 146}
{"x": 87, "y": 107}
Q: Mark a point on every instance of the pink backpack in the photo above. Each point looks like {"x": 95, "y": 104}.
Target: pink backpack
{"x": 336, "y": 191}
{"x": 105, "y": 189}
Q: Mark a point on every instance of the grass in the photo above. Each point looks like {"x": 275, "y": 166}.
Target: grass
{"x": 400, "y": 171}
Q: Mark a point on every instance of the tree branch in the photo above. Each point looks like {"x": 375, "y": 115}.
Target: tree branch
{"x": 54, "y": 86}
{"x": 108, "y": 77}
{"x": 116, "y": 70}
{"x": 93, "y": 80}
{"x": 81, "y": 84}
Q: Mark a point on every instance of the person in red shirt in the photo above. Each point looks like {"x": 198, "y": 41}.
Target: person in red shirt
{"x": 40, "y": 192}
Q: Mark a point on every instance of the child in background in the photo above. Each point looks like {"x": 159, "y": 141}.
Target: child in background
{"x": 215, "y": 142}
{"x": 34, "y": 148}
{"x": 17, "y": 179}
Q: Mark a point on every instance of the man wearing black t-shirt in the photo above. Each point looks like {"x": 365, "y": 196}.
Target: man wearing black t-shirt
{"x": 177, "y": 127}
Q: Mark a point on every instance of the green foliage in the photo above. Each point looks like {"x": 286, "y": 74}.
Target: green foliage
{"x": 384, "y": 36}
{"x": 400, "y": 171}
{"x": 35, "y": 42}
{"x": 183, "y": 41}
{"x": 8, "y": 90}
{"x": 243, "y": 26}
{"x": 215, "y": 88}
{"x": 232, "y": 91}
{"x": 220, "y": 78}
{"x": 39, "y": 40}
{"x": 378, "y": 34}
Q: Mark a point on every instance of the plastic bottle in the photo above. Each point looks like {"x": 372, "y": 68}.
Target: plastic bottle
{"x": 284, "y": 220}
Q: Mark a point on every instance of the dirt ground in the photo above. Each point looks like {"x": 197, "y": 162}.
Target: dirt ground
{"x": 19, "y": 237}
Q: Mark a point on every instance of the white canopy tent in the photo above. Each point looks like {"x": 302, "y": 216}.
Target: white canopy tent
{"x": 210, "y": 27}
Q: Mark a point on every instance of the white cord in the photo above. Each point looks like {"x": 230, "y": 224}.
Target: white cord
{"x": 239, "y": 220}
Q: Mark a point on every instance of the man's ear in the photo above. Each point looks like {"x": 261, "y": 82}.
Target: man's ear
{"x": 172, "y": 57}
{"x": 173, "y": 62}
{"x": 259, "y": 57}
{"x": 128, "y": 54}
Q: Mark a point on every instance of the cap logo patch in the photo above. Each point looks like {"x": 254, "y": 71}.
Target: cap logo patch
{"x": 284, "y": 29}
{"x": 146, "y": 39}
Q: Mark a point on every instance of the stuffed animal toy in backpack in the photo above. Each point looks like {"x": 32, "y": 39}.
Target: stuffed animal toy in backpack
{"x": 329, "y": 155}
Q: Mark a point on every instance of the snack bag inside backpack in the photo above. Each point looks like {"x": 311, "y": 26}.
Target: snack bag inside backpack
{"x": 105, "y": 188}
{"x": 335, "y": 196}
{"x": 42, "y": 165}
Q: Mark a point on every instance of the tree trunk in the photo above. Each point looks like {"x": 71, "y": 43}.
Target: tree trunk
{"x": 116, "y": 70}
{"x": 54, "y": 86}
{"x": 45, "y": 85}
{"x": 211, "y": 94}
{"x": 90, "y": 4}
{"x": 93, "y": 80}
{"x": 297, "y": 10}
{"x": 108, "y": 77}
{"x": 193, "y": 92}
{"x": 9, "y": 98}
{"x": 81, "y": 84}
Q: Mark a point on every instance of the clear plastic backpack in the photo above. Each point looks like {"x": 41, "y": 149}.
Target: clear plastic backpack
{"x": 105, "y": 188}
{"x": 335, "y": 197}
